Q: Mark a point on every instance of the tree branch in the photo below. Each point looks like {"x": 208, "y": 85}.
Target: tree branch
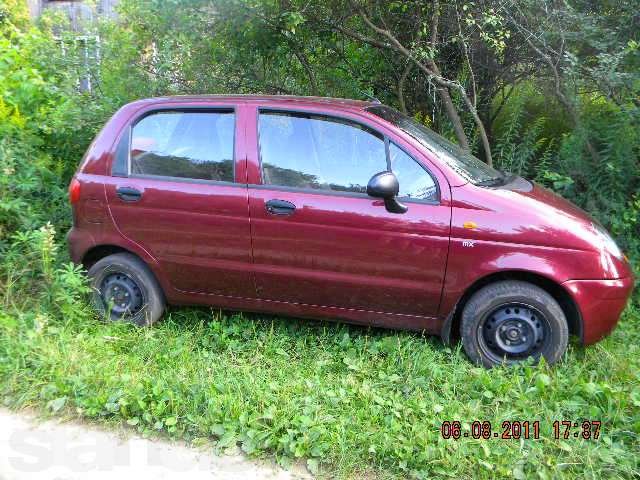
{"x": 302, "y": 58}
{"x": 403, "y": 78}
{"x": 443, "y": 82}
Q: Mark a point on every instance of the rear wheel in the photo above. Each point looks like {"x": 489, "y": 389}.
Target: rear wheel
{"x": 510, "y": 321}
{"x": 125, "y": 289}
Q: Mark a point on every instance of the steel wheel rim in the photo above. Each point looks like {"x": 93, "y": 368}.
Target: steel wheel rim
{"x": 121, "y": 295}
{"x": 512, "y": 332}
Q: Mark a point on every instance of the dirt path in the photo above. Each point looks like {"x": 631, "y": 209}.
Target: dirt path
{"x": 51, "y": 450}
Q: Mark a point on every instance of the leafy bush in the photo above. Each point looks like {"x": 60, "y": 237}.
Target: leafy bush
{"x": 31, "y": 194}
{"x": 607, "y": 188}
{"x": 33, "y": 278}
{"x": 36, "y": 98}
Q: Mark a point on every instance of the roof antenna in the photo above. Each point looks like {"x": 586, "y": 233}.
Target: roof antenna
{"x": 371, "y": 97}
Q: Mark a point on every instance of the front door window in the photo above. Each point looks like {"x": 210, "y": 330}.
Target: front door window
{"x": 317, "y": 152}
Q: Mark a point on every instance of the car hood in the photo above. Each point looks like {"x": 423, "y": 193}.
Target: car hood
{"x": 522, "y": 213}
{"x": 527, "y": 213}
{"x": 546, "y": 201}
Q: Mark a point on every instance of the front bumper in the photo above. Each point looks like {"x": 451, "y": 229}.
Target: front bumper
{"x": 601, "y": 303}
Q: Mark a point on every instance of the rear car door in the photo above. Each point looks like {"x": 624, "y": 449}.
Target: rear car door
{"x": 178, "y": 190}
{"x": 319, "y": 239}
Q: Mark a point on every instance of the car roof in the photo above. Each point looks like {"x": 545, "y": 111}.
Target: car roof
{"x": 342, "y": 103}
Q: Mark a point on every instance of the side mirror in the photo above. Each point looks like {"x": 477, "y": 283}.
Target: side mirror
{"x": 385, "y": 185}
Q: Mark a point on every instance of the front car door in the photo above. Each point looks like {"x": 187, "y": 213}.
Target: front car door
{"x": 179, "y": 191}
{"x": 318, "y": 238}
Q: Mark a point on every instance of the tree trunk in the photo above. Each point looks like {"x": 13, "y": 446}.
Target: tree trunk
{"x": 454, "y": 118}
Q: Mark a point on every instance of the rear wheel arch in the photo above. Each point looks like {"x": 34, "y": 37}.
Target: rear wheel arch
{"x": 98, "y": 252}
{"x": 451, "y": 329}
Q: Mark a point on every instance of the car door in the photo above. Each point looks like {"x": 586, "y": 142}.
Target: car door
{"x": 177, "y": 192}
{"x": 319, "y": 239}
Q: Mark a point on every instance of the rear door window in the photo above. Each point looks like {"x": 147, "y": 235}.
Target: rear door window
{"x": 182, "y": 144}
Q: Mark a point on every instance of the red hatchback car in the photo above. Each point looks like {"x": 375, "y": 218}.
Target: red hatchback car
{"x": 329, "y": 208}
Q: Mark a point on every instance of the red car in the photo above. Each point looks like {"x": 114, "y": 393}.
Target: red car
{"x": 329, "y": 208}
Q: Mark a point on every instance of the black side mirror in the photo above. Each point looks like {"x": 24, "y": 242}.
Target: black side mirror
{"x": 385, "y": 185}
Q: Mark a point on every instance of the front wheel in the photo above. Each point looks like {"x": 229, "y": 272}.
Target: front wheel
{"x": 509, "y": 321}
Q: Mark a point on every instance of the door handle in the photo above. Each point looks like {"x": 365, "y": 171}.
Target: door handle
{"x": 280, "y": 207}
{"x": 129, "y": 194}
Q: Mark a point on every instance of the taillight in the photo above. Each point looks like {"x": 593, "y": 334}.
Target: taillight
{"x": 74, "y": 191}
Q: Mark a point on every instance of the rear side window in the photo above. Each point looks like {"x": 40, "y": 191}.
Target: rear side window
{"x": 313, "y": 151}
{"x": 194, "y": 145}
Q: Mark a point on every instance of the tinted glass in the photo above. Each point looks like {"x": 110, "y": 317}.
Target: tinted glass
{"x": 121, "y": 156}
{"x": 196, "y": 145}
{"x": 463, "y": 162}
{"x": 414, "y": 180}
{"x": 312, "y": 151}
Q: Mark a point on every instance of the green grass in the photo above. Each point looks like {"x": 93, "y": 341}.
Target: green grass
{"x": 355, "y": 401}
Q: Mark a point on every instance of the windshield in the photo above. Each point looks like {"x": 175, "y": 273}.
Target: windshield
{"x": 464, "y": 163}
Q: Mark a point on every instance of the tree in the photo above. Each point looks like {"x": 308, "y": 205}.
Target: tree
{"x": 581, "y": 52}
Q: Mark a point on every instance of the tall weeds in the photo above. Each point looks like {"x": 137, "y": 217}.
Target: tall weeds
{"x": 539, "y": 146}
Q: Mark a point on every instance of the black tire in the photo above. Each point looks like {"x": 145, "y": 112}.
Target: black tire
{"x": 124, "y": 277}
{"x": 509, "y": 321}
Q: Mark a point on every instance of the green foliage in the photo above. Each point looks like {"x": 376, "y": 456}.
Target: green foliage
{"x": 344, "y": 399}
{"x": 520, "y": 149}
{"x": 606, "y": 187}
{"x": 30, "y": 192}
{"x": 39, "y": 115}
{"x": 34, "y": 280}
{"x": 14, "y": 12}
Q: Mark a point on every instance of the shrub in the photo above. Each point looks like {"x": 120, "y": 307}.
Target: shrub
{"x": 537, "y": 144}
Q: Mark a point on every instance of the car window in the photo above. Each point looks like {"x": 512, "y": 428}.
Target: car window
{"x": 415, "y": 182}
{"x": 318, "y": 152}
{"x": 195, "y": 145}
{"x": 469, "y": 167}
{"x": 120, "y": 165}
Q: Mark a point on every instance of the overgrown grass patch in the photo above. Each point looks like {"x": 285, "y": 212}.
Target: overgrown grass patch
{"x": 346, "y": 398}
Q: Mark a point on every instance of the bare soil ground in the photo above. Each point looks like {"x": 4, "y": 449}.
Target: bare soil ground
{"x": 53, "y": 450}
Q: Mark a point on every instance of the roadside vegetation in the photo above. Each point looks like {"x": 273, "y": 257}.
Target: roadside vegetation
{"x": 347, "y": 401}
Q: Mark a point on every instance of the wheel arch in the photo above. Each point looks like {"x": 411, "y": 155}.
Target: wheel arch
{"x": 98, "y": 252}
{"x": 450, "y": 331}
